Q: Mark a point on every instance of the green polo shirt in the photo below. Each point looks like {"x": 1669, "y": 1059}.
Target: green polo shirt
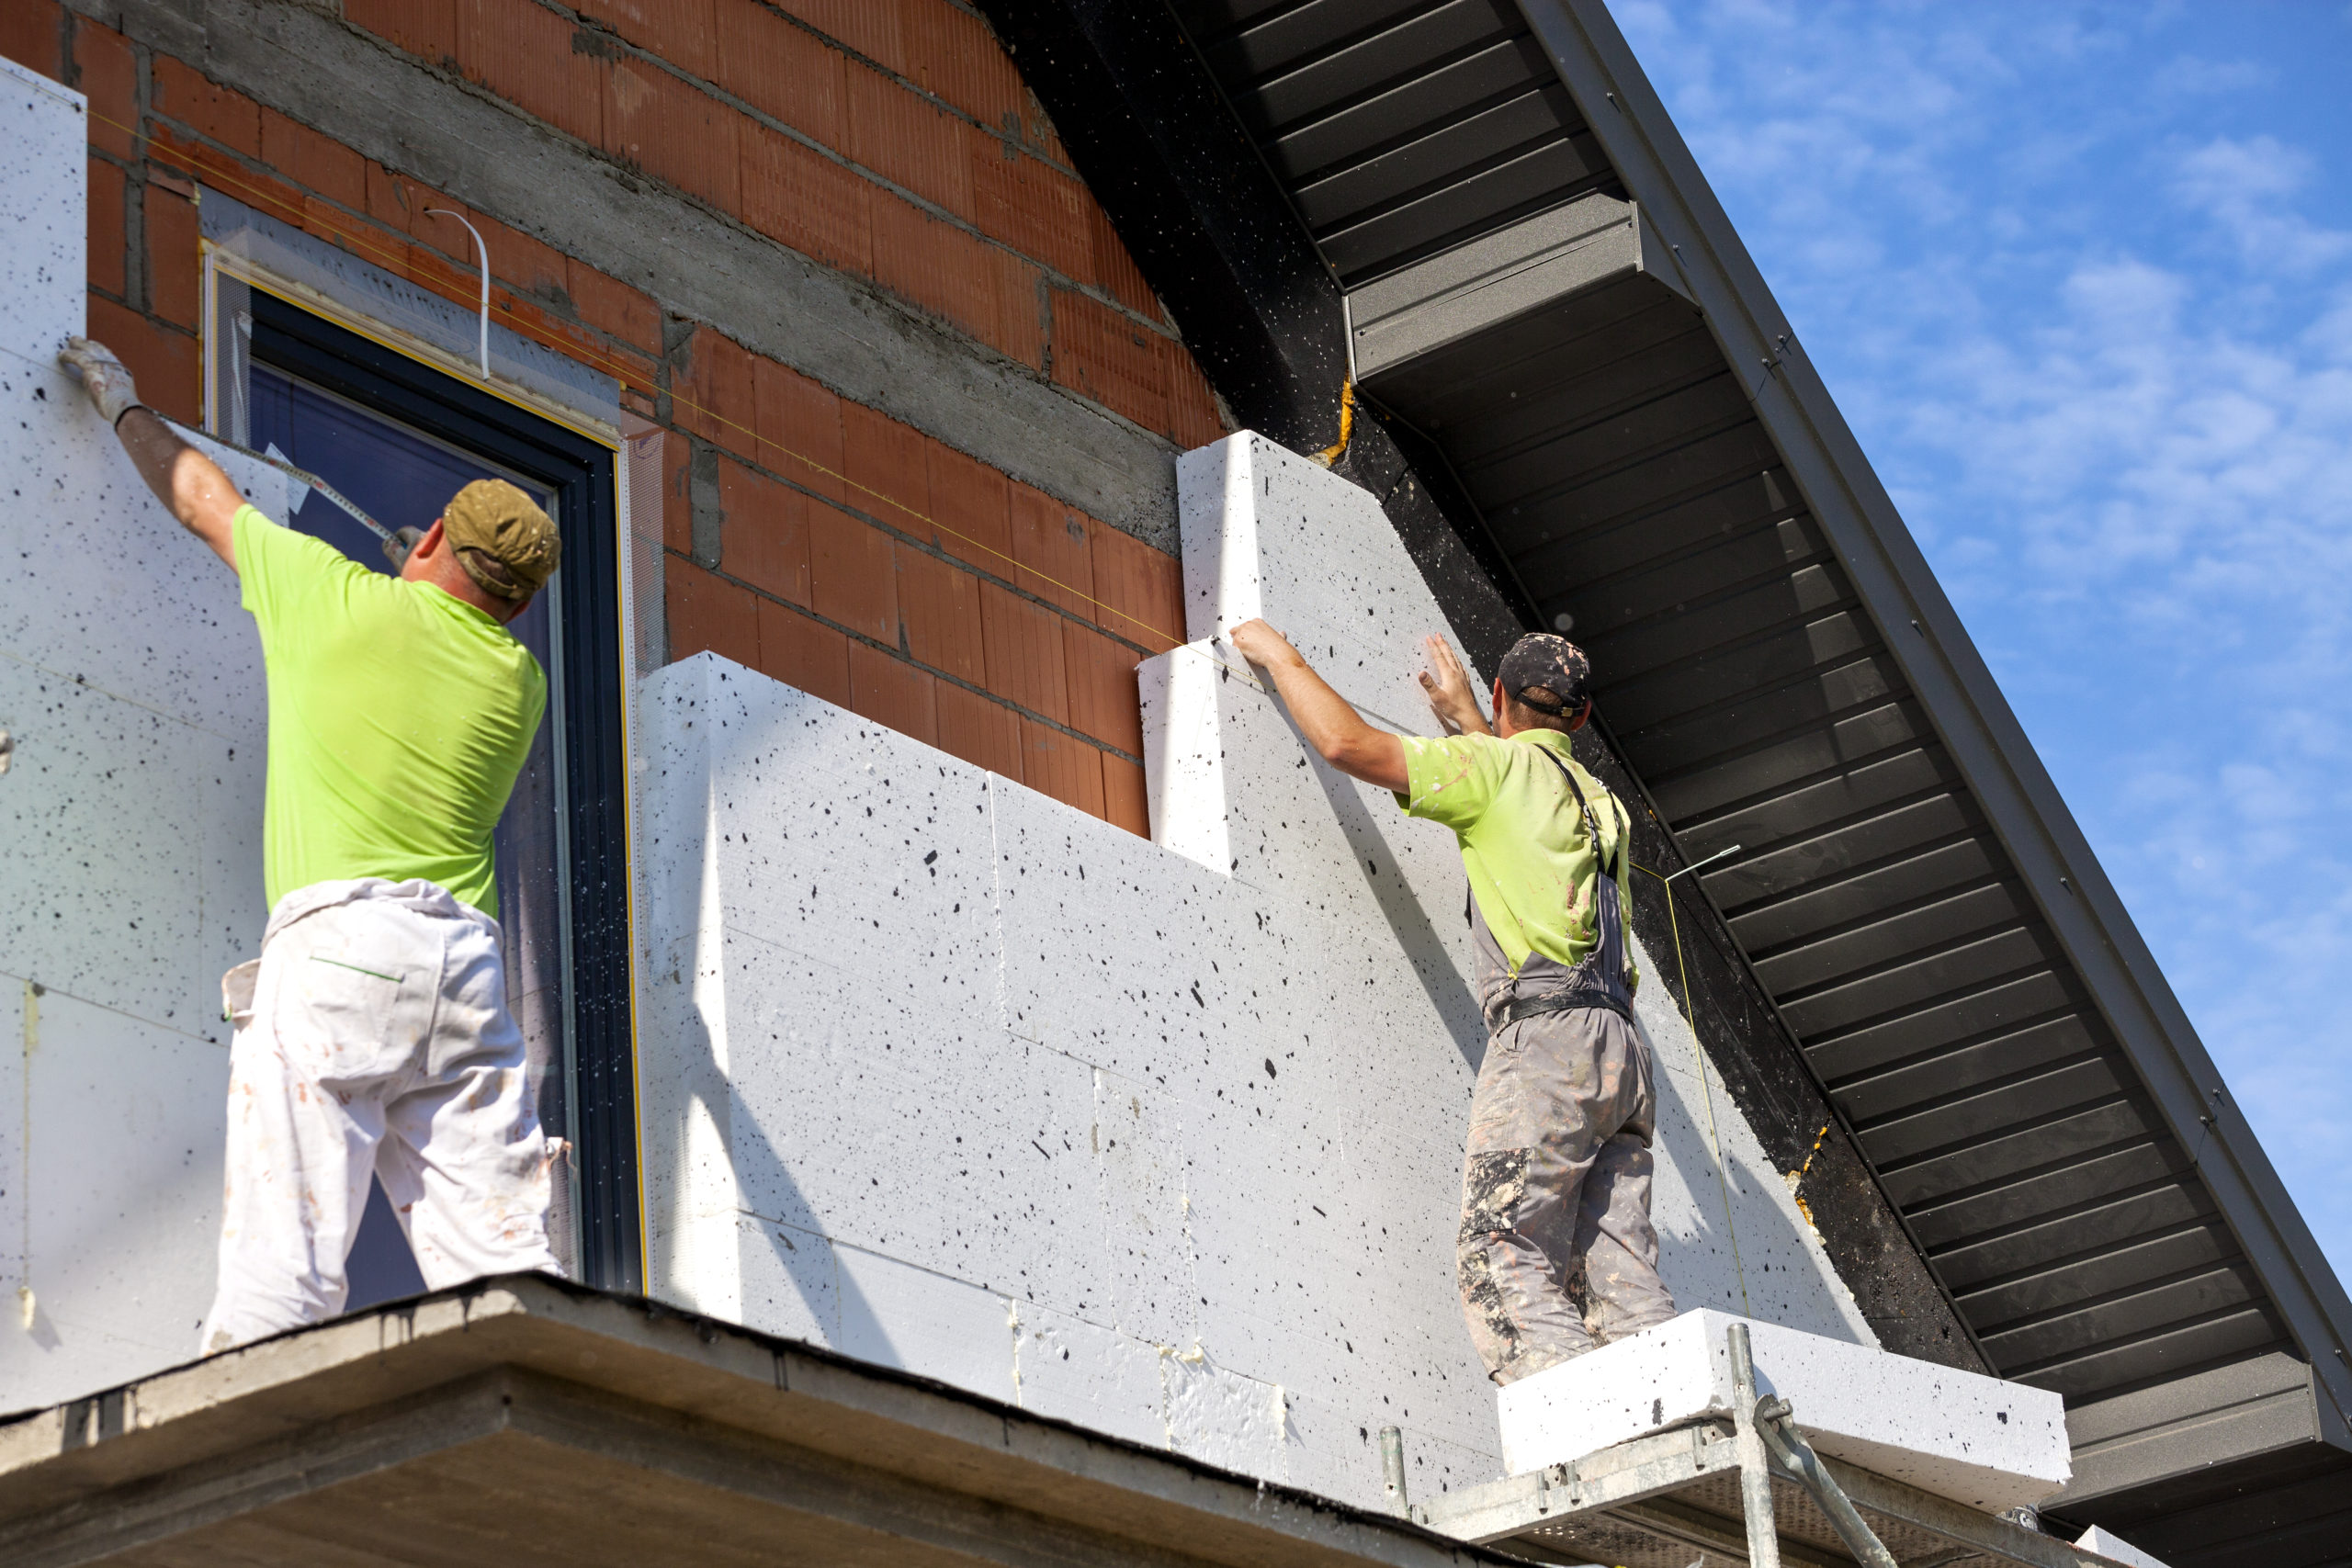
{"x": 399, "y": 718}
{"x": 1523, "y": 841}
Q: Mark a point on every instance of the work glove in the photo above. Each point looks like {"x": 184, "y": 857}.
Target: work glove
{"x": 105, "y": 377}
{"x": 402, "y": 543}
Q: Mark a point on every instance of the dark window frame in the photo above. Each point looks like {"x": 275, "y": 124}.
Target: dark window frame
{"x": 583, "y": 472}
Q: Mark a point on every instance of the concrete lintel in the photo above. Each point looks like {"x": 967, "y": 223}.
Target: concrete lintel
{"x": 521, "y": 1399}
{"x": 311, "y": 67}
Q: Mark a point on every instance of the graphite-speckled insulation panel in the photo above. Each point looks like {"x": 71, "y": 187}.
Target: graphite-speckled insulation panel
{"x": 44, "y": 230}
{"x": 1979, "y": 1440}
{"x": 131, "y": 684}
{"x": 1161, "y": 1138}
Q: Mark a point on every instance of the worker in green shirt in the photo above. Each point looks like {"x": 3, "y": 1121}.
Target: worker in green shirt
{"x": 1555, "y": 1251}
{"x": 372, "y": 1035}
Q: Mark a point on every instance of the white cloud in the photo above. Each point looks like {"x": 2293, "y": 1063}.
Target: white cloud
{"x": 2247, "y": 185}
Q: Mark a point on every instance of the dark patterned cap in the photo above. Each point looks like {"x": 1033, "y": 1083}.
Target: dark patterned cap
{"x": 1548, "y": 673}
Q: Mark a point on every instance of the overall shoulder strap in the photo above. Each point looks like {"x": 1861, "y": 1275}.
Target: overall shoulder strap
{"x": 1592, "y": 825}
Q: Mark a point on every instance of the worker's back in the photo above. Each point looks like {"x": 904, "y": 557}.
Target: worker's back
{"x": 399, "y": 718}
{"x": 1532, "y": 862}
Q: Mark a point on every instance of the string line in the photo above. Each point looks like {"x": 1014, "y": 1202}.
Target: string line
{"x": 1706, "y": 1086}
{"x": 628, "y": 375}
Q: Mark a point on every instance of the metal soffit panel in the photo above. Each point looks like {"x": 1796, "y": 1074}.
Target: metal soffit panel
{"x": 1637, "y": 483}
{"x": 1398, "y": 127}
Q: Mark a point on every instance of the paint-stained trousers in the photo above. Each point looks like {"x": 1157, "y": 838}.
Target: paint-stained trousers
{"x": 372, "y": 1039}
{"x": 1557, "y": 1252}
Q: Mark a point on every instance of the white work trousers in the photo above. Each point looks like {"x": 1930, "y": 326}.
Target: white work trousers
{"x": 372, "y": 1038}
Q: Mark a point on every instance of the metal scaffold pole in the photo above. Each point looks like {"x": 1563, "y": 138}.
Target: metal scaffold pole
{"x": 1755, "y": 1463}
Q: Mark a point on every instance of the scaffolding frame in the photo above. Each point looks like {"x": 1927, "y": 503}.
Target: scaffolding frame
{"x": 1746, "y": 1490}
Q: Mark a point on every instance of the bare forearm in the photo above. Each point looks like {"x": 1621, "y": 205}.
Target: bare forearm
{"x": 1335, "y": 729}
{"x": 189, "y": 484}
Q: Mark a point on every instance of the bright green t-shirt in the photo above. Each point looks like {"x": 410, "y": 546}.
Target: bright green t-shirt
{"x": 399, "y": 718}
{"x": 1523, "y": 841}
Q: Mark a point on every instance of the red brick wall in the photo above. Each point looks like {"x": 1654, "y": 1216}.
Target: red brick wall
{"x": 892, "y": 139}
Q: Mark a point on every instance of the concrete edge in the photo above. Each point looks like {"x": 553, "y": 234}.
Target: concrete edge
{"x": 763, "y": 1387}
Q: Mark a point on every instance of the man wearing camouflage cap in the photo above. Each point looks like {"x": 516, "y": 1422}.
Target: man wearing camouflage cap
{"x": 1555, "y": 1251}
{"x": 372, "y": 1033}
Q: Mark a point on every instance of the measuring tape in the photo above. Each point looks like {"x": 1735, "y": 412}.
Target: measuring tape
{"x": 395, "y": 549}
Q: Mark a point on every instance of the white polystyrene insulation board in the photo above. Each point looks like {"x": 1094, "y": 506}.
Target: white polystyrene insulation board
{"x": 1978, "y": 1440}
{"x": 1266, "y": 534}
{"x": 1167, "y": 1135}
{"x": 44, "y": 230}
{"x": 130, "y": 687}
{"x": 2116, "y": 1549}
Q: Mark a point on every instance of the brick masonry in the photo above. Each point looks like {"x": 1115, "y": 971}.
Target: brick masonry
{"x": 815, "y": 538}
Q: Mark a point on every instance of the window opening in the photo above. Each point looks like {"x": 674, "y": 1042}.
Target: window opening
{"x": 399, "y": 437}
{"x": 402, "y": 476}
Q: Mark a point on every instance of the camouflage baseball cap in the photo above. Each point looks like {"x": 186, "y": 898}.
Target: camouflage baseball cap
{"x": 505, "y": 543}
{"x": 1548, "y": 673}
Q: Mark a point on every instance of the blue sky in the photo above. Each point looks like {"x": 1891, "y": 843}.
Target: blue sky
{"x": 2080, "y": 276}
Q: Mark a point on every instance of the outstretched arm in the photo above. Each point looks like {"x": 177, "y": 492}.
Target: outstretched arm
{"x": 1335, "y": 729}
{"x": 189, "y": 484}
{"x": 187, "y": 481}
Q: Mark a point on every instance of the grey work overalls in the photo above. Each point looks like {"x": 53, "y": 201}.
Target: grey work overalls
{"x": 1557, "y": 1252}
